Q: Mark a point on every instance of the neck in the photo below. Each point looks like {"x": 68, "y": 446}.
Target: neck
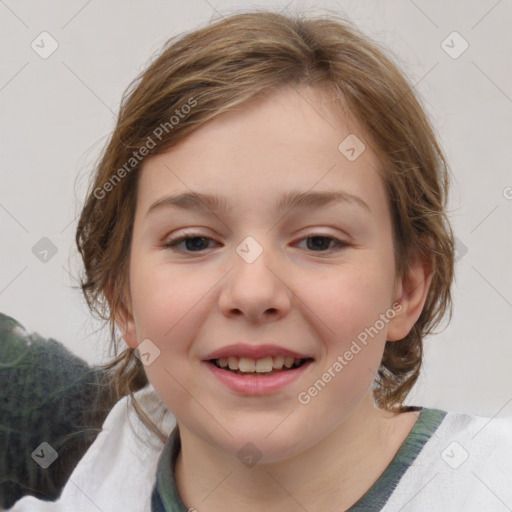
{"x": 330, "y": 476}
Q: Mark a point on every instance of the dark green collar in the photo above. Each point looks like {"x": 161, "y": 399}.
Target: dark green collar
{"x": 165, "y": 497}
{"x": 380, "y": 492}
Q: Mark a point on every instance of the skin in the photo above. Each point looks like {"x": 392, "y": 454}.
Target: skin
{"x": 321, "y": 456}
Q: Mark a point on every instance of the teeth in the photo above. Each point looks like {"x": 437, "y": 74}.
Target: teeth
{"x": 288, "y": 362}
{"x": 263, "y": 365}
{"x": 278, "y": 362}
{"x": 246, "y": 365}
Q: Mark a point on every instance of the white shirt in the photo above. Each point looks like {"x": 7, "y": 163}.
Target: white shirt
{"x": 466, "y": 465}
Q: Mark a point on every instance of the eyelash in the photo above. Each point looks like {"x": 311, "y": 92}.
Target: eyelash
{"x": 173, "y": 243}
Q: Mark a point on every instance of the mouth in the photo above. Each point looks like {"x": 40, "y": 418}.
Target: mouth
{"x": 262, "y": 367}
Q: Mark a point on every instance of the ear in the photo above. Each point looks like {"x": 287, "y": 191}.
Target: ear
{"x": 411, "y": 292}
{"x": 125, "y": 322}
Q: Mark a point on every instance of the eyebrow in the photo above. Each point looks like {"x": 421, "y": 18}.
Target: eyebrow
{"x": 295, "y": 199}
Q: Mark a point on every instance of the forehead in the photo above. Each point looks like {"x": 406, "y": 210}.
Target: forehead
{"x": 291, "y": 139}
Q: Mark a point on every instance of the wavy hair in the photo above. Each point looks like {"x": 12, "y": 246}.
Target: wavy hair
{"x": 233, "y": 60}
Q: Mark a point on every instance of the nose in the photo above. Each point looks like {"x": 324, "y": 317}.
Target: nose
{"x": 256, "y": 289}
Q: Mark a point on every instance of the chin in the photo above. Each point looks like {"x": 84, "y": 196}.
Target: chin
{"x": 264, "y": 442}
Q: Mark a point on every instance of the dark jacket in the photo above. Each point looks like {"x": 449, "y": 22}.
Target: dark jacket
{"x": 49, "y": 395}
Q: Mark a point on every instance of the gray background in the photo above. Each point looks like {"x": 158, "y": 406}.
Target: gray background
{"x": 57, "y": 112}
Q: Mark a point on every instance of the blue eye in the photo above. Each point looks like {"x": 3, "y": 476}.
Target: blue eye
{"x": 195, "y": 242}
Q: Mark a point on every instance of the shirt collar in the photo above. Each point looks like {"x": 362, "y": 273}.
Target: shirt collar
{"x": 165, "y": 497}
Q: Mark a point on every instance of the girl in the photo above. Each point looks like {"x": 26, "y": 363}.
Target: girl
{"x": 267, "y": 230}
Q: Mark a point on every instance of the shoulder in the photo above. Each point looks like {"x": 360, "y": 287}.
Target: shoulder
{"x": 118, "y": 470}
{"x": 47, "y": 394}
{"x": 465, "y": 465}
{"x": 483, "y": 436}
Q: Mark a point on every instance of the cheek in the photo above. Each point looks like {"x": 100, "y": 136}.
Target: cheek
{"x": 168, "y": 308}
{"x": 347, "y": 303}
{"x": 349, "y": 309}
{"x": 161, "y": 298}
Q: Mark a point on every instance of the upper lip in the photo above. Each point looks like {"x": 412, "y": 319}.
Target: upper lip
{"x": 254, "y": 352}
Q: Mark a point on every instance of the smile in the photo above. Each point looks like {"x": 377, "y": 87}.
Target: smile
{"x": 265, "y": 366}
{"x": 262, "y": 378}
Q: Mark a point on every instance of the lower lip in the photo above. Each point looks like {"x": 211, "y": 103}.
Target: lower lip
{"x": 249, "y": 385}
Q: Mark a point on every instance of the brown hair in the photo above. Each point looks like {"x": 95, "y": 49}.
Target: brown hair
{"x": 225, "y": 64}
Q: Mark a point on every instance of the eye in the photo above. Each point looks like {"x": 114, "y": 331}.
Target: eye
{"x": 321, "y": 241}
{"x": 195, "y": 242}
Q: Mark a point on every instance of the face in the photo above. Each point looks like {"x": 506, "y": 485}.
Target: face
{"x": 254, "y": 279}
